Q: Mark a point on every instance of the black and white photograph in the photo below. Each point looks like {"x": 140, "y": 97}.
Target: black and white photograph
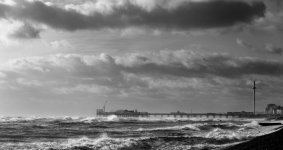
{"x": 141, "y": 74}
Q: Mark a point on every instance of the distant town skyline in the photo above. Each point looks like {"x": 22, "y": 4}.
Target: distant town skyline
{"x": 67, "y": 57}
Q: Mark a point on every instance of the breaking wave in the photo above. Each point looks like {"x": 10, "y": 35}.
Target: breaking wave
{"x": 218, "y": 133}
{"x": 253, "y": 123}
{"x": 114, "y": 118}
{"x": 181, "y": 127}
{"x": 111, "y": 118}
{"x": 102, "y": 142}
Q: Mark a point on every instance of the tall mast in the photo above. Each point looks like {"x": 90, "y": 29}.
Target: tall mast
{"x": 254, "y": 88}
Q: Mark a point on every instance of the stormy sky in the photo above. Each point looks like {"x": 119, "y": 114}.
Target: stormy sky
{"x": 67, "y": 57}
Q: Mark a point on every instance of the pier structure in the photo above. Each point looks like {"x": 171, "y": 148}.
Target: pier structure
{"x": 202, "y": 115}
{"x": 135, "y": 113}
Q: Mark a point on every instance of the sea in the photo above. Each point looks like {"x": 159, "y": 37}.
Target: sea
{"x": 116, "y": 133}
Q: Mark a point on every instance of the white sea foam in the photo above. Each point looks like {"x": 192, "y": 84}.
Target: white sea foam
{"x": 17, "y": 118}
{"x": 110, "y": 118}
{"x": 218, "y": 133}
{"x": 144, "y": 119}
{"x": 103, "y": 142}
{"x": 253, "y": 123}
{"x": 169, "y": 119}
{"x": 180, "y": 127}
{"x": 87, "y": 119}
{"x": 243, "y": 132}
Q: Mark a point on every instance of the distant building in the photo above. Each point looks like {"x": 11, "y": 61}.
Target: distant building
{"x": 99, "y": 111}
{"x": 274, "y": 109}
{"x": 240, "y": 113}
{"x": 122, "y": 113}
{"x": 178, "y": 112}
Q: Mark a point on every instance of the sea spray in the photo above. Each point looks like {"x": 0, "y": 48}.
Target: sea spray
{"x": 180, "y": 127}
{"x": 253, "y": 123}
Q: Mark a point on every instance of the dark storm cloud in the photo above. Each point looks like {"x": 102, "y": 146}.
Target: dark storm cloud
{"x": 268, "y": 48}
{"x": 179, "y": 64}
{"x": 213, "y": 65}
{"x": 273, "y": 49}
{"x": 26, "y": 31}
{"x": 188, "y": 15}
{"x": 105, "y": 74}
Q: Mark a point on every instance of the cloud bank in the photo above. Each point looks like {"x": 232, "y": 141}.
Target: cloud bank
{"x": 180, "y": 64}
{"x": 268, "y": 48}
{"x": 163, "y": 77}
{"x": 185, "y": 15}
{"x": 104, "y": 73}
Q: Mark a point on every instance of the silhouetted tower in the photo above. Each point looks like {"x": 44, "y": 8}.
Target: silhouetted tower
{"x": 104, "y": 106}
{"x": 254, "y": 88}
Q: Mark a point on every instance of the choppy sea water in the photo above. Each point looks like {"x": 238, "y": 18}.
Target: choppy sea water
{"x": 113, "y": 133}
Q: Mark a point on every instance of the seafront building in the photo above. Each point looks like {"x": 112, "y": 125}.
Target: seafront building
{"x": 273, "y": 109}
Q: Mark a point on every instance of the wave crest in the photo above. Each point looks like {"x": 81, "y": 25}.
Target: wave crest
{"x": 181, "y": 127}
